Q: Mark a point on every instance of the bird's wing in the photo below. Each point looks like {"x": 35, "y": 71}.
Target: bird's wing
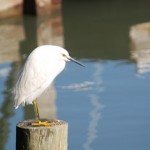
{"x": 34, "y": 79}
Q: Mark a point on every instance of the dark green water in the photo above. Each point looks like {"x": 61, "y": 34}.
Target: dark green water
{"x": 107, "y": 103}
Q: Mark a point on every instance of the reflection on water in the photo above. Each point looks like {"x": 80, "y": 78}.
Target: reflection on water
{"x": 6, "y": 108}
{"x": 95, "y": 114}
{"x": 140, "y": 46}
{"x": 85, "y": 86}
{"x": 50, "y": 30}
{"x": 9, "y": 52}
{"x": 4, "y": 72}
{"x": 10, "y": 39}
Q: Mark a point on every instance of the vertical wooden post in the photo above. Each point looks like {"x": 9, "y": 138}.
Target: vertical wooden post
{"x": 30, "y": 137}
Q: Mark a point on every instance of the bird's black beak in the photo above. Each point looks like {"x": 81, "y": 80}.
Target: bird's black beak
{"x": 77, "y": 62}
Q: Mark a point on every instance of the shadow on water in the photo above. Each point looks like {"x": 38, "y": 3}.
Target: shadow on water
{"x": 94, "y": 31}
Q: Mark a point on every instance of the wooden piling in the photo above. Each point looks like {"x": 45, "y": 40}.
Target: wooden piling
{"x": 30, "y": 137}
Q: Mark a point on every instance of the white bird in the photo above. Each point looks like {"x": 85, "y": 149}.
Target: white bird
{"x": 40, "y": 69}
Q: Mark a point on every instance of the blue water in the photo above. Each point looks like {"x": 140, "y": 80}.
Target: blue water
{"x": 111, "y": 115}
{"x": 109, "y": 109}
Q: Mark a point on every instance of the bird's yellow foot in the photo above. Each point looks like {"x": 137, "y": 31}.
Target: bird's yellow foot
{"x": 43, "y": 123}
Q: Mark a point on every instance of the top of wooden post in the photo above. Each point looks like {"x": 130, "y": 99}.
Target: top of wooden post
{"x": 27, "y": 124}
{"x": 53, "y": 137}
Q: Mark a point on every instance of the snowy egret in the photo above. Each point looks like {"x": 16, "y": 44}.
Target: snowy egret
{"x": 40, "y": 69}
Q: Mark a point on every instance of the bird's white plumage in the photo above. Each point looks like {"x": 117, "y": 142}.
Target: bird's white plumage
{"x": 40, "y": 69}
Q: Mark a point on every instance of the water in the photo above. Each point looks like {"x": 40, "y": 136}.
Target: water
{"x": 112, "y": 113}
{"x": 106, "y": 103}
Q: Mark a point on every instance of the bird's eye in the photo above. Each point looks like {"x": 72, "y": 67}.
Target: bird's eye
{"x": 64, "y": 55}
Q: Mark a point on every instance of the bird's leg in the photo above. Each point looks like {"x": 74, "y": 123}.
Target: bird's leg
{"x": 38, "y": 122}
{"x": 36, "y": 110}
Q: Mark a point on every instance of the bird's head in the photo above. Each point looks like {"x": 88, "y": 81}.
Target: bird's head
{"x": 56, "y": 53}
{"x": 65, "y": 56}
